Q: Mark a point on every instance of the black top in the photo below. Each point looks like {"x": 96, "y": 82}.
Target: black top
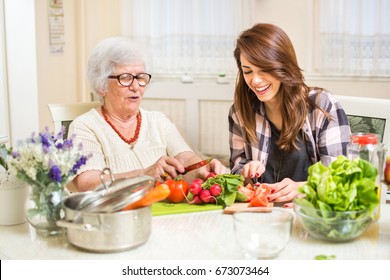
{"x": 281, "y": 164}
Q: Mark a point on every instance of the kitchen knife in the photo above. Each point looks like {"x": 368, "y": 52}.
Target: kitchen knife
{"x": 196, "y": 165}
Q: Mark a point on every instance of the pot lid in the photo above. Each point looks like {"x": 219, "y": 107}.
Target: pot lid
{"x": 118, "y": 194}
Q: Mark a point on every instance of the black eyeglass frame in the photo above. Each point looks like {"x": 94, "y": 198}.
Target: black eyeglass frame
{"x": 118, "y": 77}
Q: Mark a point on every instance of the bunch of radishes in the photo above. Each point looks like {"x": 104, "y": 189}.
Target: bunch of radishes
{"x": 202, "y": 195}
{"x": 221, "y": 189}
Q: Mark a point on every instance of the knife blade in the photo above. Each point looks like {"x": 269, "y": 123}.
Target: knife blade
{"x": 196, "y": 165}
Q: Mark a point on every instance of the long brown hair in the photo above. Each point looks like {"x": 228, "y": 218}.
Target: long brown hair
{"x": 269, "y": 48}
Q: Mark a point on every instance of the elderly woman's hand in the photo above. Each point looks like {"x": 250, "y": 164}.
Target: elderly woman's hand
{"x": 165, "y": 167}
{"x": 213, "y": 166}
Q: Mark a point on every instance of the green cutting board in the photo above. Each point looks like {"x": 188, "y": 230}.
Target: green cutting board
{"x": 166, "y": 208}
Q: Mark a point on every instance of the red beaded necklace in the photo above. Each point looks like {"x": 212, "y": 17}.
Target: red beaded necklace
{"x": 136, "y": 133}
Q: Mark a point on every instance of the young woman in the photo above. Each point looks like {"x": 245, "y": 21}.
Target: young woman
{"x": 278, "y": 125}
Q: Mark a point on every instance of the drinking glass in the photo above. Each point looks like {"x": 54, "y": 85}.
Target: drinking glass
{"x": 262, "y": 234}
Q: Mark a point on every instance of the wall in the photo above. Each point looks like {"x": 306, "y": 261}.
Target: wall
{"x": 58, "y": 74}
{"x": 200, "y": 112}
{"x": 296, "y": 19}
{"x": 61, "y": 77}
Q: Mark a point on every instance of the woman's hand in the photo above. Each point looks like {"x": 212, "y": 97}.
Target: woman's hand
{"x": 213, "y": 166}
{"x": 251, "y": 170}
{"x": 165, "y": 167}
{"x": 284, "y": 191}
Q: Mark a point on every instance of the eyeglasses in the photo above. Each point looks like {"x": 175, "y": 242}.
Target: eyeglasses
{"x": 126, "y": 79}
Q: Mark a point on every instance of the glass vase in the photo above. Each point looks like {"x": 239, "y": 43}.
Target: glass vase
{"x": 44, "y": 209}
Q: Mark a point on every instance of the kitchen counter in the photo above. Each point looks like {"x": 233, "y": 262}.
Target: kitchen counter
{"x": 198, "y": 236}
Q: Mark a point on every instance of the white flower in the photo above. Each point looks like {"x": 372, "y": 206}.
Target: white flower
{"x": 55, "y": 198}
{"x": 46, "y": 158}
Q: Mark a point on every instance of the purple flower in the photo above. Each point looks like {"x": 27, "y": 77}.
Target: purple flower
{"x": 15, "y": 154}
{"x": 60, "y": 135}
{"x": 68, "y": 143}
{"x": 45, "y": 141}
{"x": 55, "y": 173}
{"x": 46, "y": 149}
{"x": 55, "y": 150}
{"x": 59, "y": 145}
{"x": 32, "y": 139}
{"x": 78, "y": 164}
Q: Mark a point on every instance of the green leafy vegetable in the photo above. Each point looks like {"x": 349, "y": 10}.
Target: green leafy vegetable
{"x": 343, "y": 186}
{"x": 340, "y": 200}
{"x": 229, "y": 184}
{"x": 325, "y": 257}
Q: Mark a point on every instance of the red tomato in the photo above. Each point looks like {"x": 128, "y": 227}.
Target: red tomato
{"x": 179, "y": 190}
{"x": 263, "y": 188}
{"x": 260, "y": 200}
{"x": 250, "y": 186}
{"x": 248, "y": 192}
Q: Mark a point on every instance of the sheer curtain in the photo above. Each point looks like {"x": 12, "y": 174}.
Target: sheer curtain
{"x": 188, "y": 36}
{"x": 354, "y": 37}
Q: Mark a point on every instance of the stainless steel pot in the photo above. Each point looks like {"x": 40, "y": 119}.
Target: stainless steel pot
{"x": 95, "y": 222}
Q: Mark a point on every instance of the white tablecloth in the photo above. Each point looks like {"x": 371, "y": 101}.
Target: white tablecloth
{"x": 203, "y": 235}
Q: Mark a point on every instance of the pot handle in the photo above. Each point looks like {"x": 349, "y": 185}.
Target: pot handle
{"x": 72, "y": 225}
{"x": 106, "y": 171}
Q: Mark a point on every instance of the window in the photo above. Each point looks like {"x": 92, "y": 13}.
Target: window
{"x": 354, "y": 37}
{"x": 188, "y": 36}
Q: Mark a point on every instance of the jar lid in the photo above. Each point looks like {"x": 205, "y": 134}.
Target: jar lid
{"x": 117, "y": 195}
{"x": 365, "y": 138}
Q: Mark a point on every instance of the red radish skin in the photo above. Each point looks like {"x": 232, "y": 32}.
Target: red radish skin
{"x": 196, "y": 186}
{"x": 196, "y": 200}
{"x": 215, "y": 190}
{"x": 211, "y": 175}
{"x": 206, "y": 196}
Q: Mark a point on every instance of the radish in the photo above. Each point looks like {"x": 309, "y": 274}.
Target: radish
{"x": 196, "y": 186}
{"x": 211, "y": 175}
{"x": 196, "y": 200}
{"x": 206, "y": 196}
{"x": 215, "y": 190}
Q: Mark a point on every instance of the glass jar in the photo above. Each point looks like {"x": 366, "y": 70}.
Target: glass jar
{"x": 368, "y": 146}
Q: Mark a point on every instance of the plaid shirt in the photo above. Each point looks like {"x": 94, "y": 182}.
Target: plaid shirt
{"x": 325, "y": 139}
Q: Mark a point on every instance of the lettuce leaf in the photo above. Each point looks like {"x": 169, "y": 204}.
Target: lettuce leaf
{"x": 344, "y": 185}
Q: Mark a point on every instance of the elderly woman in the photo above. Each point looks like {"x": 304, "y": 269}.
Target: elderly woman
{"x": 120, "y": 134}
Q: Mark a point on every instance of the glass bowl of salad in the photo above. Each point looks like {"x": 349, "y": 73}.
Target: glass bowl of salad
{"x": 329, "y": 225}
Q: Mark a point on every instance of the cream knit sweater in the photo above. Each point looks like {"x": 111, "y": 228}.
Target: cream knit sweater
{"x": 158, "y": 137}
